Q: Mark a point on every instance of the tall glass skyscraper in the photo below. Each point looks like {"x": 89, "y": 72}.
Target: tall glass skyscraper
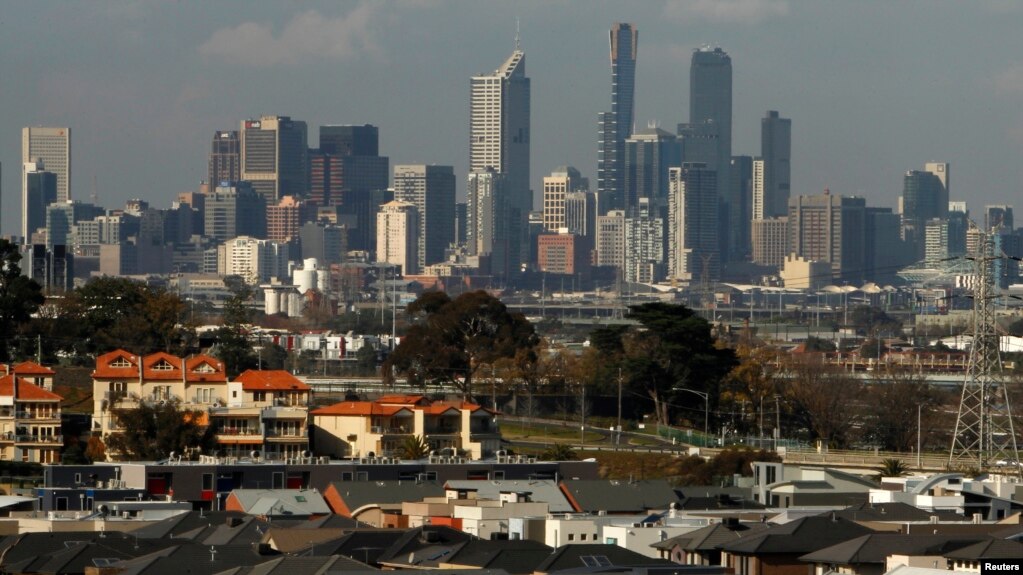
{"x": 710, "y": 102}
{"x": 499, "y": 139}
{"x": 617, "y": 125}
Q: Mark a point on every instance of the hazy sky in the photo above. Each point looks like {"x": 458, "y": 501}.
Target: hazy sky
{"x": 873, "y": 88}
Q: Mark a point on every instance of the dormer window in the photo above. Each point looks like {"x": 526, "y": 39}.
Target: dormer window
{"x": 121, "y": 361}
{"x": 163, "y": 365}
{"x": 204, "y": 368}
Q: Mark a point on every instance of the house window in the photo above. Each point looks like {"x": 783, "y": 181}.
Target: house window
{"x": 571, "y": 536}
{"x": 120, "y": 362}
{"x": 163, "y": 365}
{"x": 204, "y": 368}
{"x": 582, "y": 537}
{"x": 611, "y": 540}
{"x": 119, "y": 386}
{"x": 259, "y": 396}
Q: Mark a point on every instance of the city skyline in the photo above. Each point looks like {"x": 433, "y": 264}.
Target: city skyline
{"x": 877, "y": 102}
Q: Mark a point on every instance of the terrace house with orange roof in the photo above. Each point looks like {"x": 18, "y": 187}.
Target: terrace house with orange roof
{"x": 123, "y": 380}
{"x": 29, "y": 421}
{"x": 372, "y": 429}
{"x": 266, "y": 411}
{"x": 32, "y": 372}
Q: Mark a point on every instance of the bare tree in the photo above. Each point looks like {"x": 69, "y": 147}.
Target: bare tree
{"x": 824, "y": 397}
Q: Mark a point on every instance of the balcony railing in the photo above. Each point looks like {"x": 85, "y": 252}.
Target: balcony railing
{"x": 239, "y": 431}
{"x": 48, "y": 439}
{"x": 287, "y": 433}
{"x": 36, "y": 415}
{"x": 443, "y": 430}
{"x": 389, "y": 430}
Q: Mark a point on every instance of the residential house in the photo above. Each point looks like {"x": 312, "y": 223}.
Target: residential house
{"x": 777, "y": 549}
{"x": 378, "y": 503}
{"x": 703, "y": 546}
{"x": 379, "y": 428}
{"x": 971, "y": 557}
{"x": 278, "y": 503}
{"x": 123, "y": 380}
{"x": 266, "y": 411}
{"x": 32, "y": 372}
{"x": 873, "y": 554}
{"x": 619, "y": 496}
{"x": 595, "y": 556}
{"x": 779, "y": 485}
{"x": 990, "y": 499}
{"x": 29, "y": 421}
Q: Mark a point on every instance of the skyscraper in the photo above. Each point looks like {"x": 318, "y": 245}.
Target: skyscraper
{"x": 648, "y": 156}
{"x": 488, "y": 227}
{"x": 431, "y": 189}
{"x": 499, "y": 137}
{"x": 710, "y": 102}
{"x": 924, "y": 197}
{"x": 38, "y": 190}
{"x": 615, "y": 126}
{"x": 830, "y": 228}
{"x": 692, "y": 223}
{"x": 740, "y": 216}
{"x": 225, "y": 158}
{"x": 562, "y": 181}
{"x": 350, "y": 140}
{"x": 275, "y": 157}
{"x": 235, "y": 210}
{"x": 53, "y": 147}
{"x": 776, "y": 152}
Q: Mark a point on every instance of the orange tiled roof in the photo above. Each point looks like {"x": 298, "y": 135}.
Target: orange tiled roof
{"x": 172, "y": 367}
{"x": 104, "y": 369}
{"x": 437, "y": 408}
{"x": 270, "y": 379}
{"x": 359, "y": 408}
{"x": 32, "y": 368}
{"x": 192, "y": 364}
{"x": 26, "y": 391}
{"x": 401, "y": 399}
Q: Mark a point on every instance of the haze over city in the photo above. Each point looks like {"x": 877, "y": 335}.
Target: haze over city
{"x": 873, "y": 89}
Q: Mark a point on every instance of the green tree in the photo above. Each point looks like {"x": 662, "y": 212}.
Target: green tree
{"x": 673, "y": 349}
{"x": 153, "y": 430}
{"x": 892, "y": 467}
{"x": 232, "y": 344}
{"x": 366, "y": 360}
{"x": 558, "y": 452}
{"x": 413, "y": 447}
{"x": 20, "y": 297}
{"x": 451, "y": 340}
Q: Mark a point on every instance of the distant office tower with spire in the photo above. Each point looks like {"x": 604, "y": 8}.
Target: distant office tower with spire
{"x": 51, "y": 146}
{"x": 499, "y": 139}
{"x": 225, "y": 158}
{"x": 616, "y": 126}
{"x": 275, "y": 157}
{"x": 710, "y": 104}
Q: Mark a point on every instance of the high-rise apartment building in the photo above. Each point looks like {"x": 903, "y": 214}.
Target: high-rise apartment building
{"x": 644, "y": 244}
{"x": 275, "y": 157}
{"x": 398, "y": 236}
{"x": 692, "y": 223}
{"x": 51, "y": 146}
{"x": 615, "y": 126}
{"x": 776, "y": 153}
{"x": 562, "y": 181}
{"x": 830, "y": 228}
{"x": 710, "y": 102}
{"x": 254, "y": 260}
{"x": 740, "y": 214}
{"x": 285, "y": 218}
{"x": 611, "y": 239}
{"x": 38, "y": 190}
{"x": 225, "y": 158}
{"x": 499, "y": 137}
{"x": 581, "y": 214}
{"x": 431, "y": 189}
{"x": 489, "y": 230}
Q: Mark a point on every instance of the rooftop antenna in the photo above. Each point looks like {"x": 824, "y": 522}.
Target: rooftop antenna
{"x": 518, "y": 43}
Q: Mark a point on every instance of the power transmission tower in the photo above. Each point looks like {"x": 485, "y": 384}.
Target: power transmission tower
{"x": 984, "y": 435}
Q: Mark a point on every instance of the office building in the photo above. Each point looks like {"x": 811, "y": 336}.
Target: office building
{"x": 61, "y": 220}
{"x": 284, "y": 219}
{"x": 556, "y": 187}
{"x": 1005, "y": 270}
{"x": 431, "y": 189}
{"x": 693, "y": 224}
{"x": 38, "y": 190}
{"x": 275, "y": 157}
{"x": 581, "y": 214}
{"x": 649, "y": 154}
{"x": 996, "y": 217}
{"x": 740, "y": 214}
{"x": 350, "y": 140}
{"x": 52, "y": 147}
{"x": 710, "y": 102}
{"x": 616, "y": 126}
{"x": 770, "y": 241}
{"x": 830, "y": 228}
{"x": 776, "y": 153}
{"x": 461, "y": 222}
{"x": 885, "y": 252}
{"x": 235, "y": 210}
{"x": 225, "y": 158}
{"x": 924, "y": 197}
{"x": 562, "y": 254}
{"x": 499, "y": 136}
{"x": 324, "y": 242}
{"x": 398, "y": 236}
{"x": 52, "y": 268}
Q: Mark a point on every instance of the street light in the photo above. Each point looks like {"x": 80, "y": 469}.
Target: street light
{"x": 706, "y": 408}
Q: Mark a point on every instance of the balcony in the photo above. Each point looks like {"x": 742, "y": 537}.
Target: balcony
{"x": 285, "y": 434}
{"x": 49, "y": 416}
{"x": 389, "y": 430}
{"x": 442, "y": 430}
{"x": 238, "y": 432}
{"x": 40, "y": 439}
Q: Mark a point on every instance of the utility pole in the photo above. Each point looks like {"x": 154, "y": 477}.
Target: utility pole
{"x": 619, "y": 429}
